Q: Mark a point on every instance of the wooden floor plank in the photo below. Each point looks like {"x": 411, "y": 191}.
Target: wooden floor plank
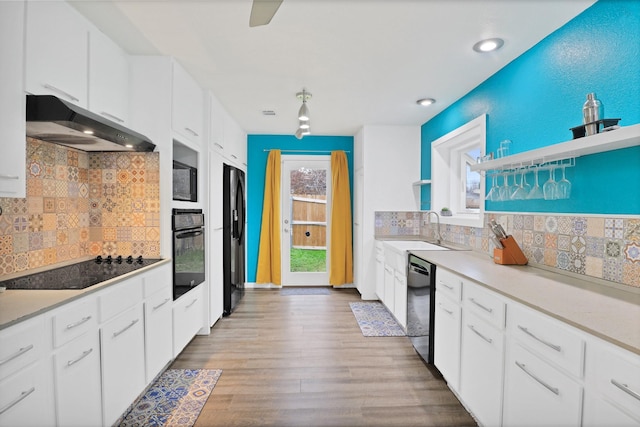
{"x": 302, "y": 360}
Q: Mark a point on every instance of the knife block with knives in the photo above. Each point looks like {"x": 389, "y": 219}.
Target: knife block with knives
{"x": 507, "y": 251}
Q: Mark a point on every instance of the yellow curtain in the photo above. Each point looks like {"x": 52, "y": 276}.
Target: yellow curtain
{"x": 269, "y": 249}
{"x": 341, "y": 246}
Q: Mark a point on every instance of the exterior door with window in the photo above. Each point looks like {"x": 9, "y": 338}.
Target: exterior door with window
{"x": 306, "y": 201}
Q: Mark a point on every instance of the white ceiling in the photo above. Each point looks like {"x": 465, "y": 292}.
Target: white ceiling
{"x": 364, "y": 61}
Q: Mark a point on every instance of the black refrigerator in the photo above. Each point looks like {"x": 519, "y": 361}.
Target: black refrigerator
{"x": 233, "y": 221}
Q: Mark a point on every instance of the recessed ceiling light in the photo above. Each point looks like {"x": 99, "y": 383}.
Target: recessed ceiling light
{"x": 88, "y": 132}
{"x": 488, "y": 45}
{"x": 425, "y": 101}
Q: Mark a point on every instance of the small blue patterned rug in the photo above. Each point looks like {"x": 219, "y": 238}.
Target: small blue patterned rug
{"x": 314, "y": 290}
{"x": 375, "y": 321}
{"x": 174, "y": 399}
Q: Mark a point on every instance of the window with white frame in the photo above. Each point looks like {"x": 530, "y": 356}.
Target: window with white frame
{"x": 453, "y": 184}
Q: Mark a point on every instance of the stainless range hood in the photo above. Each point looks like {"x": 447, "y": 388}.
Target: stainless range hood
{"x": 54, "y": 120}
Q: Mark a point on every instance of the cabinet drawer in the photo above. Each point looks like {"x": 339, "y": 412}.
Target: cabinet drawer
{"x": 74, "y": 320}
{"x": 537, "y": 394}
{"x": 616, "y": 375}
{"x": 548, "y": 337}
{"x": 157, "y": 279}
{"x": 484, "y": 303}
{"x": 187, "y": 318}
{"x": 449, "y": 283}
{"x": 26, "y": 399}
{"x": 21, "y": 345}
{"x": 119, "y": 297}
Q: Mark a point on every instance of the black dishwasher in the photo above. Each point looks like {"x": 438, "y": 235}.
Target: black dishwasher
{"x": 421, "y": 306}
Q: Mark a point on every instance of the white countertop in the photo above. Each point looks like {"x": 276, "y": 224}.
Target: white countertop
{"x": 606, "y": 312}
{"x": 17, "y": 305}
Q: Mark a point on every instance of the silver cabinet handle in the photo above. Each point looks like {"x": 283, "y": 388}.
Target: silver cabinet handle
{"x": 234, "y": 156}
{"x": 18, "y": 353}
{"x": 133, "y": 322}
{"x": 489, "y": 340}
{"x": 192, "y": 302}
{"x": 484, "y": 307}
{"x": 442, "y": 307}
{"x": 17, "y": 400}
{"x": 447, "y": 286}
{"x": 554, "y": 390}
{"x": 191, "y": 131}
{"x": 547, "y": 343}
{"x": 218, "y": 145}
{"x": 3, "y": 176}
{"x": 161, "y": 304}
{"x": 390, "y": 270}
{"x": 60, "y": 91}
{"x": 112, "y": 117}
{"x": 79, "y": 322}
{"x": 79, "y": 358}
{"x": 626, "y": 389}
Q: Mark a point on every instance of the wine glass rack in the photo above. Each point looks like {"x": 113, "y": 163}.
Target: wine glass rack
{"x": 624, "y": 137}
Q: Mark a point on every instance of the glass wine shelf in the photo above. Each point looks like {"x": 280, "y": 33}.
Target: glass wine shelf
{"x": 624, "y": 137}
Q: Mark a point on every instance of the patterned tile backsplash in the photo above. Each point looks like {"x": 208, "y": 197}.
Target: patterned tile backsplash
{"x": 81, "y": 204}
{"x": 603, "y": 247}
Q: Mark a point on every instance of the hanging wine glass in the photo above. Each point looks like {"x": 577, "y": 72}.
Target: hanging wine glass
{"x": 549, "y": 189}
{"x": 521, "y": 191}
{"x": 494, "y": 191}
{"x": 563, "y": 187}
{"x": 505, "y": 188}
{"x": 536, "y": 190}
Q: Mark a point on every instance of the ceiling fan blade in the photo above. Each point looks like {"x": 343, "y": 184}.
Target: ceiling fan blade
{"x": 262, "y": 12}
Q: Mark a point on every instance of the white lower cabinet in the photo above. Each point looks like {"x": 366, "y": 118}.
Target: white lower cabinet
{"x": 389, "y": 287}
{"x": 447, "y": 339}
{"x": 400, "y": 299}
{"x": 481, "y": 372}
{"x": 123, "y": 373}
{"x": 536, "y": 393}
{"x": 157, "y": 323}
{"x": 613, "y": 385}
{"x": 187, "y": 318}
{"x": 26, "y": 398}
{"x": 380, "y": 291}
{"x": 77, "y": 382}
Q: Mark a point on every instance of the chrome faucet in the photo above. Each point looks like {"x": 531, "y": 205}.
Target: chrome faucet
{"x": 436, "y": 233}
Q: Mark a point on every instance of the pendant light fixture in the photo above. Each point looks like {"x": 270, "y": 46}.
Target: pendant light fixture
{"x": 303, "y": 114}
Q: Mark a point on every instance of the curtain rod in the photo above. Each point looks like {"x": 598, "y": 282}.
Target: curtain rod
{"x": 304, "y": 151}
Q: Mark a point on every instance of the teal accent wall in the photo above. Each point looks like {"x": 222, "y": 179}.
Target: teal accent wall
{"x": 256, "y": 169}
{"x": 538, "y": 97}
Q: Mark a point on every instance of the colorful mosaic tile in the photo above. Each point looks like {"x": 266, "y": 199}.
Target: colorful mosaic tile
{"x": 601, "y": 247}
{"x": 72, "y": 193}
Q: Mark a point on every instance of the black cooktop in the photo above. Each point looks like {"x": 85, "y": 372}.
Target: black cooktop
{"x": 80, "y": 275}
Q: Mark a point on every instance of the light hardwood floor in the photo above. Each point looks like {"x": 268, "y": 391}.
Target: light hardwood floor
{"x": 301, "y": 360}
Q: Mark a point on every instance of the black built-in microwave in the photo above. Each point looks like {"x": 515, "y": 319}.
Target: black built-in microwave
{"x": 185, "y": 182}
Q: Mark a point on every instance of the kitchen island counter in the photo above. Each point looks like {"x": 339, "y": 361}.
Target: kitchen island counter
{"x": 608, "y": 312}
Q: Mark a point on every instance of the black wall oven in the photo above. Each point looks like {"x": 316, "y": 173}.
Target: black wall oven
{"x": 188, "y": 250}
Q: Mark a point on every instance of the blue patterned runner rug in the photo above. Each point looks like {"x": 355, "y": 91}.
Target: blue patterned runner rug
{"x": 375, "y": 321}
{"x": 174, "y": 399}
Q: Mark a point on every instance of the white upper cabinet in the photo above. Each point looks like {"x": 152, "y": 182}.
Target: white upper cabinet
{"x": 187, "y": 106}
{"x": 12, "y": 101}
{"x": 108, "y": 78}
{"x": 225, "y": 134}
{"x": 217, "y": 115}
{"x": 57, "y": 52}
